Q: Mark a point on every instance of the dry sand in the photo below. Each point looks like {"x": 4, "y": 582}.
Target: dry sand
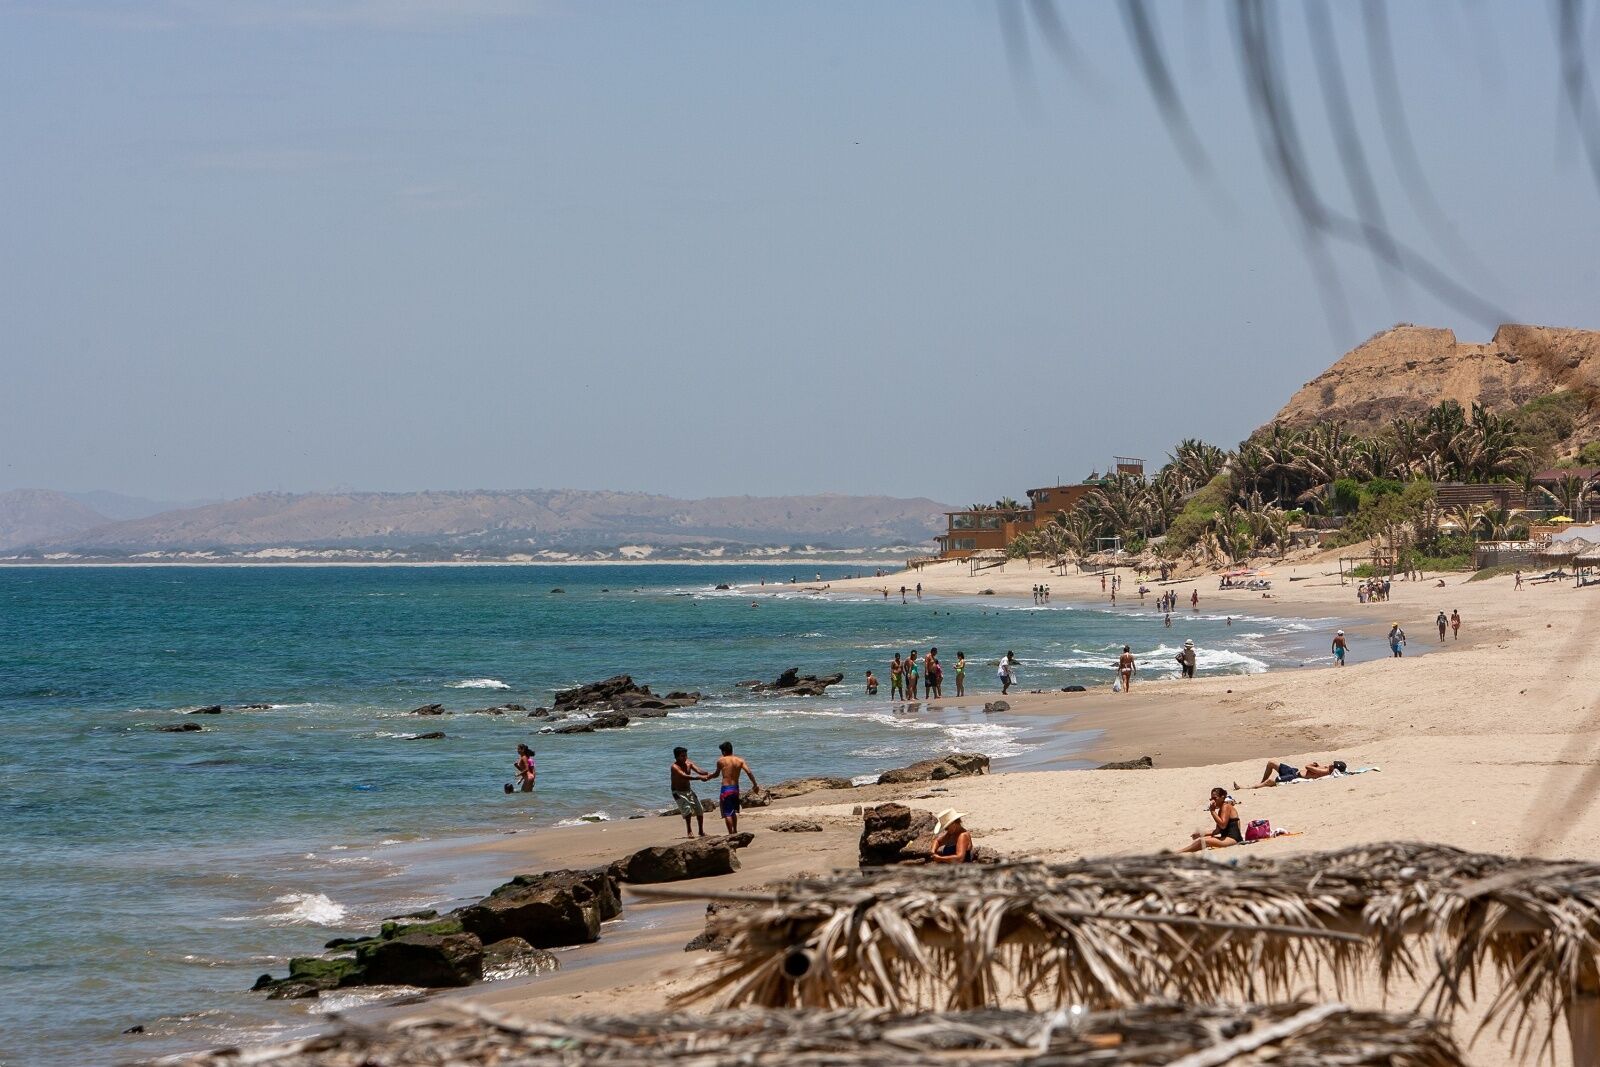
{"x": 1489, "y": 743}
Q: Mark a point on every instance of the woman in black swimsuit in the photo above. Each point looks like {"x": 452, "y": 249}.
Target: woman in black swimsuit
{"x": 1224, "y": 832}
{"x": 952, "y": 843}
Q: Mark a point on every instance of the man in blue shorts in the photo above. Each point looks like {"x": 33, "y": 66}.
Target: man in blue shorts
{"x": 1340, "y": 647}
{"x": 730, "y": 767}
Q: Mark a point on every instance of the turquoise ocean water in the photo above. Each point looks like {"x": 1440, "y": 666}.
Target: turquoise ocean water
{"x": 151, "y": 876}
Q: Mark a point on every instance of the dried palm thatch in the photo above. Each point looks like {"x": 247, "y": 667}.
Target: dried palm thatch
{"x": 1118, "y": 931}
{"x": 1289, "y": 1035}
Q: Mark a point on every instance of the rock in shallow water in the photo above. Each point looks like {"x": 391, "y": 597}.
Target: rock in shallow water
{"x": 428, "y": 960}
{"x": 181, "y": 728}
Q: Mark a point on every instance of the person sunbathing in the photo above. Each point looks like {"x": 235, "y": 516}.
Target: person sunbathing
{"x": 1278, "y": 773}
{"x": 952, "y": 843}
{"x": 1224, "y": 832}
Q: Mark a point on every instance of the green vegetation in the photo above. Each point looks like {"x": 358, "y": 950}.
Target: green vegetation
{"x": 1230, "y": 505}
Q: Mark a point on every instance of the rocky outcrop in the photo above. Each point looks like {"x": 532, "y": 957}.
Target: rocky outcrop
{"x": 1406, "y": 370}
{"x": 618, "y": 693}
{"x": 209, "y": 709}
{"x": 181, "y": 728}
{"x": 515, "y": 958}
{"x": 1143, "y": 763}
{"x": 799, "y": 826}
{"x": 498, "y": 709}
{"x": 712, "y": 939}
{"x": 700, "y": 858}
{"x": 791, "y": 683}
{"x": 430, "y": 709}
{"x": 797, "y": 786}
{"x": 894, "y": 833}
{"x": 545, "y": 910}
{"x": 954, "y": 765}
{"x": 997, "y": 705}
{"x": 582, "y": 726}
{"x": 428, "y": 960}
{"x": 310, "y": 975}
{"x": 431, "y": 735}
{"x": 609, "y": 720}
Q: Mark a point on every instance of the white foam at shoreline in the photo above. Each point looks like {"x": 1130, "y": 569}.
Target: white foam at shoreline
{"x": 312, "y": 909}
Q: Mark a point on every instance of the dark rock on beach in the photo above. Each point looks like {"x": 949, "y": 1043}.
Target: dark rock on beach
{"x": 181, "y": 728}
{"x": 889, "y": 833}
{"x": 953, "y": 765}
{"x": 515, "y": 958}
{"x": 310, "y": 975}
{"x": 428, "y": 960}
{"x": 209, "y": 709}
{"x": 1073, "y": 689}
{"x": 791, "y": 683}
{"x": 498, "y": 709}
{"x": 619, "y": 693}
{"x": 546, "y": 910}
{"x": 609, "y": 720}
{"x": 799, "y": 826}
{"x": 1143, "y": 763}
{"x": 997, "y": 705}
{"x": 430, "y": 709}
{"x": 701, "y": 858}
{"x": 712, "y": 939}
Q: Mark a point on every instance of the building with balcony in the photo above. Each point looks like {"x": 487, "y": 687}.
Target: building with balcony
{"x": 994, "y": 528}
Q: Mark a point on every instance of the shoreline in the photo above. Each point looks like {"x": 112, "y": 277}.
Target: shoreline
{"x": 1207, "y": 730}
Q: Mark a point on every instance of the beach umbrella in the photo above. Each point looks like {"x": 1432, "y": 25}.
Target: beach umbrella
{"x": 1119, "y": 930}
{"x": 1286, "y": 1035}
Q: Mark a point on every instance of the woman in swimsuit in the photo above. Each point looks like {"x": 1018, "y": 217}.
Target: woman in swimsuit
{"x": 911, "y": 675}
{"x": 935, "y": 683}
{"x": 526, "y": 771}
{"x": 897, "y": 682}
{"x": 961, "y": 674}
{"x": 1125, "y": 667}
{"x": 952, "y": 843}
{"x": 1225, "y": 831}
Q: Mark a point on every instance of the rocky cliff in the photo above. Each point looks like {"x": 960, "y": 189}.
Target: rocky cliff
{"x": 1408, "y": 369}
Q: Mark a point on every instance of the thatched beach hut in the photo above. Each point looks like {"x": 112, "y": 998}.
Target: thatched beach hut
{"x": 1288, "y": 1035}
{"x": 1110, "y": 932}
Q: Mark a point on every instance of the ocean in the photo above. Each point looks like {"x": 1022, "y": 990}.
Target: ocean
{"x": 151, "y": 876}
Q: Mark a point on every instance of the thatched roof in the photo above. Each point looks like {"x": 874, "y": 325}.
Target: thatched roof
{"x": 1118, "y": 931}
{"x": 1289, "y": 1035}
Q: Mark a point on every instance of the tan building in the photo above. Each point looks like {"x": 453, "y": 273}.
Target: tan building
{"x": 986, "y": 529}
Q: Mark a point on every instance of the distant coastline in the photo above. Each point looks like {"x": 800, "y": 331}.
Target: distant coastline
{"x": 895, "y": 562}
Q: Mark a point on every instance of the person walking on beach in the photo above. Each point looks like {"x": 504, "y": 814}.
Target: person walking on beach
{"x": 1125, "y": 668}
{"x": 730, "y": 767}
{"x": 1455, "y": 623}
{"x": 1007, "y": 672}
{"x": 897, "y": 681}
{"x": 1340, "y": 647}
{"x": 1194, "y": 600}
{"x": 1186, "y": 658}
{"x": 961, "y": 674}
{"x": 681, "y": 776}
{"x": 526, "y": 771}
{"x": 1518, "y": 586}
{"x": 1443, "y": 624}
{"x": 1397, "y": 641}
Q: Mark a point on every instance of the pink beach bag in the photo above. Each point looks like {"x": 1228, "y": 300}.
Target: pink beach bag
{"x": 1258, "y": 830}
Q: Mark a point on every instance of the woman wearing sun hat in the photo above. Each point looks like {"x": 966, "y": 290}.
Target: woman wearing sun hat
{"x": 1340, "y": 647}
{"x": 951, "y": 842}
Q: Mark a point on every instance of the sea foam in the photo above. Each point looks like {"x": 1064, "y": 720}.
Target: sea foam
{"x": 479, "y": 683}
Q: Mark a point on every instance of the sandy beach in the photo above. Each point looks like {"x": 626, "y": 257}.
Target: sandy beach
{"x": 1489, "y": 742}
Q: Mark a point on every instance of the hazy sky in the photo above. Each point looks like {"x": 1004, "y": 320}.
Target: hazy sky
{"x": 700, "y": 248}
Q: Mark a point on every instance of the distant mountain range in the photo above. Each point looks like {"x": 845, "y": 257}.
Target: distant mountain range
{"x": 540, "y": 524}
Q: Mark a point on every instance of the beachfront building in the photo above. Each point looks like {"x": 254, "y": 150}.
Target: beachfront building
{"x": 985, "y": 529}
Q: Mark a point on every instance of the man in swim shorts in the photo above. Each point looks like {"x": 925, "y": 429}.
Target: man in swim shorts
{"x": 682, "y": 775}
{"x": 730, "y": 767}
{"x": 1340, "y": 647}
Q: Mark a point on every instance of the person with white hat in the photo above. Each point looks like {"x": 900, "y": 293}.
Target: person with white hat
{"x": 951, "y": 842}
{"x": 1186, "y": 658}
{"x": 1340, "y": 647}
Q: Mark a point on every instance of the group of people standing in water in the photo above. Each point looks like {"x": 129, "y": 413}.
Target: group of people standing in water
{"x": 909, "y": 676}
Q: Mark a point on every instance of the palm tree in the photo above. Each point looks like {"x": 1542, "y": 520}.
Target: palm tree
{"x": 1194, "y": 462}
{"x": 1570, "y": 493}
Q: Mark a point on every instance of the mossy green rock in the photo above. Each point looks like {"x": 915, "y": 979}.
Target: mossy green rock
{"x": 310, "y": 975}
{"x": 448, "y": 925}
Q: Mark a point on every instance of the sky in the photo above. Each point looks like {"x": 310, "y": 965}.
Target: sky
{"x": 710, "y": 248}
